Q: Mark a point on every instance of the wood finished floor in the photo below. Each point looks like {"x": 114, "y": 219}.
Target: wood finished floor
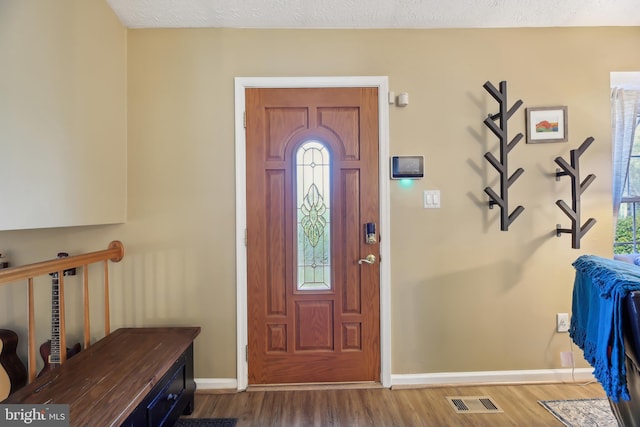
{"x": 389, "y": 407}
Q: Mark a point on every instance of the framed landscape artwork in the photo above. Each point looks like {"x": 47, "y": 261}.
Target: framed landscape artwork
{"x": 546, "y": 124}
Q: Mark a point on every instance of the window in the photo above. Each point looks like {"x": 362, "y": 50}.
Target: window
{"x": 313, "y": 216}
{"x": 626, "y": 239}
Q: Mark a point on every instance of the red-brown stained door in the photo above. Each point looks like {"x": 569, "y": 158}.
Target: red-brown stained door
{"x": 321, "y": 325}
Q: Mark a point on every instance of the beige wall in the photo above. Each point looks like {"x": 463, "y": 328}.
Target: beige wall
{"x": 458, "y": 282}
{"x": 465, "y": 295}
{"x": 62, "y": 114}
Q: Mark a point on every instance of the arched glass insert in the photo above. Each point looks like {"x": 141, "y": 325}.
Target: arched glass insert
{"x": 313, "y": 216}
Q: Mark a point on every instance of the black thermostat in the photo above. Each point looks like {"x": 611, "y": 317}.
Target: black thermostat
{"x": 407, "y": 167}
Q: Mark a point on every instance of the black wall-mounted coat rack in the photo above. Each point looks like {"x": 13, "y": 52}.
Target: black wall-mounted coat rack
{"x": 577, "y": 230}
{"x": 506, "y": 146}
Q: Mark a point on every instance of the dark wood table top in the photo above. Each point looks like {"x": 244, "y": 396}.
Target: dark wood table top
{"x": 103, "y": 384}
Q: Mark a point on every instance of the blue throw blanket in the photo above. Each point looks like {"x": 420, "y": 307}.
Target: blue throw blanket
{"x": 596, "y": 321}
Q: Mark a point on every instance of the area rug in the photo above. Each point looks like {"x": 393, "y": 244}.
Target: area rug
{"x": 581, "y": 412}
{"x": 206, "y": 422}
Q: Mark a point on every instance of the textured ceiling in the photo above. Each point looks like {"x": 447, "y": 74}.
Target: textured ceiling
{"x": 375, "y": 13}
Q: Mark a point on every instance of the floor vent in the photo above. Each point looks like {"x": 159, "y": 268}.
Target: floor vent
{"x": 473, "y": 405}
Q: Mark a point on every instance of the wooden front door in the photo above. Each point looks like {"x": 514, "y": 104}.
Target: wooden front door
{"x": 312, "y": 185}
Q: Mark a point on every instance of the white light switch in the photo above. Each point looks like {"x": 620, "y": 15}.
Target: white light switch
{"x": 431, "y": 199}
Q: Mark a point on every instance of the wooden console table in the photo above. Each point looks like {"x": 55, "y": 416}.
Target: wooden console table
{"x": 132, "y": 377}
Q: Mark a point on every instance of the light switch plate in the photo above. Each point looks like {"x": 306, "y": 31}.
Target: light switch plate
{"x": 431, "y": 199}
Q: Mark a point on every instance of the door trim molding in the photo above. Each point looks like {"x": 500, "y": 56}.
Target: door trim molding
{"x": 242, "y": 83}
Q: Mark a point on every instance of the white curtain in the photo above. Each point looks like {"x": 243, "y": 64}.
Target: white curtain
{"x": 624, "y": 116}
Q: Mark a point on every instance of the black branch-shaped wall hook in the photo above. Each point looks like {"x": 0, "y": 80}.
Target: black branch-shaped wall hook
{"x": 577, "y": 230}
{"x": 506, "y": 146}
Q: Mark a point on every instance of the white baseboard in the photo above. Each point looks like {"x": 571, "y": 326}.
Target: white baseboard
{"x": 444, "y": 378}
{"x": 491, "y": 377}
{"x": 216, "y": 384}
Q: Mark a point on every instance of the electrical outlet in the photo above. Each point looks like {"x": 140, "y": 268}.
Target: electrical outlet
{"x": 566, "y": 359}
{"x": 562, "y": 322}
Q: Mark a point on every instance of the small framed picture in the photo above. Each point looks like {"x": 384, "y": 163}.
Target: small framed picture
{"x": 546, "y": 124}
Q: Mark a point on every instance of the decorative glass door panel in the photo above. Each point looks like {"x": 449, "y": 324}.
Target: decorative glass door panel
{"x": 314, "y": 216}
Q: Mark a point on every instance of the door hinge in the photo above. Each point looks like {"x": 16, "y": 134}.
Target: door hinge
{"x": 244, "y": 119}
{"x": 246, "y": 353}
{"x": 246, "y": 242}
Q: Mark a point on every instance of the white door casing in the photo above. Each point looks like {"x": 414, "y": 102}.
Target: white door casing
{"x": 241, "y": 83}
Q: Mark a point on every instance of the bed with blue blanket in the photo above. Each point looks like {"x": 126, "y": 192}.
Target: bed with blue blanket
{"x": 605, "y": 324}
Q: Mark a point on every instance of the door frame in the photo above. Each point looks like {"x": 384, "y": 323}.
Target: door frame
{"x": 242, "y": 83}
